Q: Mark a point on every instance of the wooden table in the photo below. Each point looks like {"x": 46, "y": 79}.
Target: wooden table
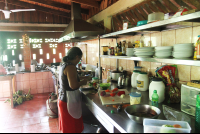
{"x": 11, "y": 79}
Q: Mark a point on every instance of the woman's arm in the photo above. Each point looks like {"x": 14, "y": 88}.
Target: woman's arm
{"x": 71, "y": 73}
{"x": 85, "y": 77}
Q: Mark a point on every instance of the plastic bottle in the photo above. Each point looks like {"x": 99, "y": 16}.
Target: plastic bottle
{"x": 134, "y": 78}
{"x": 197, "y": 115}
{"x": 142, "y": 41}
{"x": 97, "y": 71}
{"x": 155, "y": 99}
{"x": 108, "y": 76}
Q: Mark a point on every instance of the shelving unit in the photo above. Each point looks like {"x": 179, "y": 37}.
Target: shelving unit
{"x": 170, "y": 24}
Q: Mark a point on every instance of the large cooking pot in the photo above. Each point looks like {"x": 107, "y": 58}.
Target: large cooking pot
{"x": 115, "y": 74}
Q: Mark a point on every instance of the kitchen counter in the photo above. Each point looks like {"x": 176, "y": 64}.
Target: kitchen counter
{"x": 120, "y": 122}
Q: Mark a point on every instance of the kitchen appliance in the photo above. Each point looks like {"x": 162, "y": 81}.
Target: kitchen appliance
{"x": 115, "y": 74}
{"x": 136, "y": 112}
{"x": 157, "y": 84}
{"x": 79, "y": 30}
{"x": 188, "y": 99}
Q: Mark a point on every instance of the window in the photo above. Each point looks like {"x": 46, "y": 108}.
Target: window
{"x": 13, "y": 52}
{"x": 41, "y": 51}
{"x": 20, "y": 56}
{"x": 60, "y": 55}
{"x": 54, "y": 60}
{"x": 5, "y": 58}
{"x": 41, "y": 61}
{"x": 54, "y": 51}
{"x": 21, "y": 46}
{"x": 68, "y": 45}
{"x": 53, "y": 45}
{"x": 66, "y": 50}
{"x": 12, "y": 46}
{"x": 34, "y": 56}
{"x": 11, "y": 40}
{"x": 13, "y": 62}
{"x": 47, "y": 55}
{"x": 50, "y": 40}
{"x": 35, "y": 40}
{"x": 36, "y": 45}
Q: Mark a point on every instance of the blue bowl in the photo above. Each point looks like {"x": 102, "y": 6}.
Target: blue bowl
{"x": 143, "y": 22}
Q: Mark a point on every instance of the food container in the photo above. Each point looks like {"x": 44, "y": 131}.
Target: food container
{"x": 95, "y": 79}
{"x": 139, "y": 112}
{"x": 188, "y": 99}
{"x": 125, "y": 24}
{"x": 143, "y": 22}
{"x": 105, "y": 50}
{"x": 135, "y": 98}
{"x": 155, "y": 126}
{"x": 156, "y": 16}
{"x": 142, "y": 81}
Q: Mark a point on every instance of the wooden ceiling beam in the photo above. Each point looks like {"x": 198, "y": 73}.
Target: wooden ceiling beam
{"x": 90, "y": 3}
{"x": 56, "y": 5}
{"x": 39, "y": 8}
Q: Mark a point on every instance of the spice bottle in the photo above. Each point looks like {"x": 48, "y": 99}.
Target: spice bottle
{"x": 142, "y": 41}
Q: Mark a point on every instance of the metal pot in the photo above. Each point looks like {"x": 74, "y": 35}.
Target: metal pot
{"x": 115, "y": 74}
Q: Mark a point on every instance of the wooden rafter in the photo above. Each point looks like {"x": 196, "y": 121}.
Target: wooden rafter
{"x": 170, "y": 5}
{"x": 152, "y": 7}
{"x": 129, "y": 18}
{"x": 161, "y": 7}
{"x": 54, "y": 5}
{"x": 133, "y": 16}
{"x": 140, "y": 18}
{"x": 146, "y": 7}
{"x": 90, "y": 3}
{"x": 181, "y": 3}
{"x": 37, "y": 7}
{"x": 142, "y": 12}
{"x": 194, "y": 3}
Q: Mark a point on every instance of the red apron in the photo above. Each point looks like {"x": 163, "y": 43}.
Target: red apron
{"x": 68, "y": 124}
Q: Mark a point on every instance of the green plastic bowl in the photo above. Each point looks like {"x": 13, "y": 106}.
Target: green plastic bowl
{"x": 140, "y": 23}
{"x": 104, "y": 86}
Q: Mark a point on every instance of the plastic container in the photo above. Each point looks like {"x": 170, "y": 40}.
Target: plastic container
{"x": 157, "y": 84}
{"x": 197, "y": 115}
{"x": 156, "y": 16}
{"x": 134, "y": 78}
{"x": 155, "y": 126}
{"x": 135, "y": 98}
{"x": 143, "y": 22}
{"x": 188, "y": 99}
{"x": 142, "y": 81}
{"x": 95, "y": 79}
{"x": 154, "y": 99}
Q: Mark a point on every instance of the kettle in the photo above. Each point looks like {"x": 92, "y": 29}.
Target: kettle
{"x": 157, "y": 84}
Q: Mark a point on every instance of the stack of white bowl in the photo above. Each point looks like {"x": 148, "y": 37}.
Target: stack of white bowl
{"x": 163, "y": 51}
{"x": 129, "y": 51}
{"x": 144, "y": 51}
{"x": 185, "y": 50}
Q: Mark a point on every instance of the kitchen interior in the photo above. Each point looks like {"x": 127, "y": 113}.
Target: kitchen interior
{"x": 143, "y": 60}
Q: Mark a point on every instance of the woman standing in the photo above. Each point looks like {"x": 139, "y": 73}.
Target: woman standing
{"x": 69, "y": 102}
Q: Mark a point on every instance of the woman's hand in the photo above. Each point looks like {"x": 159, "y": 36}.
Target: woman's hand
{"x": 84, "y": 82}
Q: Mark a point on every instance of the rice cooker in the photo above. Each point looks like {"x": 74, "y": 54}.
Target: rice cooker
{"x": 115, "y": 74}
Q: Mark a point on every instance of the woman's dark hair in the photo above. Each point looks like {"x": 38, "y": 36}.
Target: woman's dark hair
{"x": 72, "y": 53}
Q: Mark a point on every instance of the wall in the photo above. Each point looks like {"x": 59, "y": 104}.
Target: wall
{"x": 164, "y": 38}
{"x": 34, "y": 35}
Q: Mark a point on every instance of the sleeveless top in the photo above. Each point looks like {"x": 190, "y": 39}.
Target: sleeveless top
{"x": 71, "y": 96}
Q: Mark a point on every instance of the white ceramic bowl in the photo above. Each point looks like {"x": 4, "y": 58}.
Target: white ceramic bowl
{"x": 163, "y": 55}
{"x": 183, "y": 45}
{"x": 180, "y": 49}
{"x": 144, "y": 53}
{"x": 163, "y": 48}
{"x": 182, "y": 55}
